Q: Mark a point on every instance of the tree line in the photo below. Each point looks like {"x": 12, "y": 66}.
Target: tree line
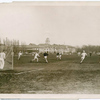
{"x": 89, "y": 48}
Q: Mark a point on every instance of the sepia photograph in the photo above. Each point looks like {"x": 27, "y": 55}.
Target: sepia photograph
{"x": 50, "y": 47}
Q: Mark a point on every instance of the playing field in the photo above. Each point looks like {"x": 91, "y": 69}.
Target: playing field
{"x": 67, "y": 76}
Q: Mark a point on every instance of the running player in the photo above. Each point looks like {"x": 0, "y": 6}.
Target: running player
{"x": 19, "y": 55}
{"x": 57, "y": 56}
{"x": 36, "y": 57}
{"x": 60, "y": 55}
{"x": 2, "y": 59}
{"x": 83, "y": 55}
{"x": 45, "y": 57}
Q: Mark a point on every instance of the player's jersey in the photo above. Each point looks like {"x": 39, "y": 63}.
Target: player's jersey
{"x": 83, "y": 55}
{"x": 45, "y": 54}
{"x": 19, "y": 54}
{"x": 2, "y": 55}
{"x": 36, "y": 55}
{"x": 57, "y": 54}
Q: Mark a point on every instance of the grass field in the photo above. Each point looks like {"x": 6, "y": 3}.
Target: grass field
{"x": 66, "y": 76}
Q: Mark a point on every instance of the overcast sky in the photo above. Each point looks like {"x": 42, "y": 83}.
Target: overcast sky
{"x": 70, "y": 25}
{"x": 44, "y": 99}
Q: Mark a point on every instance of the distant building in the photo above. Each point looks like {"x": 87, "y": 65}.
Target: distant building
{"x": 51, "y": 48}
{"x": 47, "y": 47}
{"x": 32, "y": 44}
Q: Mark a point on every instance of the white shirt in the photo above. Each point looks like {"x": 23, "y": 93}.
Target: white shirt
{"x": 36, "y": 55}
{"x": 83, "y": 55}
{"x": 19, "y": 53}
{"x": 2, "y": 55}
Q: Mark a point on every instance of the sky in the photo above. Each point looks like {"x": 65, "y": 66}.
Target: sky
{"x": 43, "y": 99}
{"x": 62, "y": 24}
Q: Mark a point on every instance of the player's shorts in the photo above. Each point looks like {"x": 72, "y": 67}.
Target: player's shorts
{"x": 60, "y": 56}
{"x": 35, "y": 57}
{"x": 45, "y": 57}
{"x": 1, "y": 63}
{"x": 82, "y": 58}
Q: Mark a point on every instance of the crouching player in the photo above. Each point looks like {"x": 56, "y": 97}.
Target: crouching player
{"x": 83, "y": 55}
{"x": 58, "y": 56}
{"x": 36, "y": 57}
{"x": 46, "y": 56}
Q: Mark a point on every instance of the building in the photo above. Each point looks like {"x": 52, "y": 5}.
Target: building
{"x": 46, "y": 47}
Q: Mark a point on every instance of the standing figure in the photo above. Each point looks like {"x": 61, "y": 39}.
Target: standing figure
{"x": 19, "y": 55}
{"x": 57, "y": 56}
{"x": 90, "y": 54}
{"x": 45, "y": 57}
{"x": 60, "y": 55}
{"x": 83, "y": 55}
{"x": 36, "y": 57}
{"x": 79, "y": 53}
{"x": 2, "y": 59}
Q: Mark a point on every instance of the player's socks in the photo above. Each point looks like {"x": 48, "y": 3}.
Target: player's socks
{"x": 46, "y": 61}
{"x": 81, "y": 62}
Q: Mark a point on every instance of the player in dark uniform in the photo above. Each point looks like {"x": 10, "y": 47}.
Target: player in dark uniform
{"x": 90, "y": 54}
{"x": 57, "y": 55}
{"x": 46, "y": 56}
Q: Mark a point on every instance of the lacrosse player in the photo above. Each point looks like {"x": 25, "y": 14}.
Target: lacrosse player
{"x": 83, "y": 55}
{"x": 19, "y": 55}
{"x": 46, "y": 56}
{"x": 36, "y": 57}
{"x": 58, "y": 56}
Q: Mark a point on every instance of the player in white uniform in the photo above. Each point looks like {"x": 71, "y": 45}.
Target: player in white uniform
{"x": 60, "y": 55}
{"x": 19, "y": 55}
{"x": 79, "y": 53}
{"x": 2, "y": 58}
{"x": 83, "y": 55}
{"x": 36, "y": 57}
